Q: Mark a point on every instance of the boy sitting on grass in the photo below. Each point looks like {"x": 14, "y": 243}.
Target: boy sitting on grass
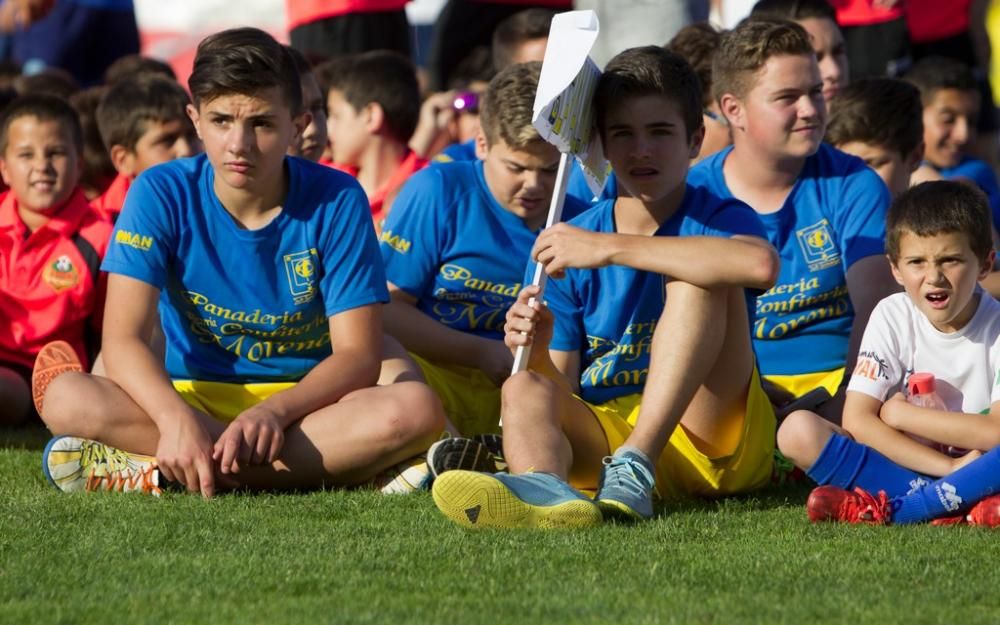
{"x": 890, "y": 451}
{"x": 823, "y": 210}
{"x": 455, "y": 249}
{"x": 51, "y": 245}
{"x": 643, "y": 347}
{"x": 879, "y": 121}
{"x": 269, "y": 285}
{"x": 143, "y": 122}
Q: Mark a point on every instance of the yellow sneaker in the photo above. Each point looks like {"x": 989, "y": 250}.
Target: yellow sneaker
{"x": 536, "y": 500}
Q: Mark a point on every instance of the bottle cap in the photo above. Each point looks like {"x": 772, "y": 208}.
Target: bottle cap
{"x": 920, "y": 383}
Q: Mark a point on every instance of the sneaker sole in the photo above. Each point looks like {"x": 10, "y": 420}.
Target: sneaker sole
{"x": 618, "y": 511}
{"x": 481, "y": 500}
{"x": 61, "y": 464}
{"x": 451, "y": 454}
{"x": 55, "y": 359}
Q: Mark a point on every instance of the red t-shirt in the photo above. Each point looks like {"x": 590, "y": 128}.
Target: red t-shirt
{"x": 410, "y": 165}
{"x": 930, "y": 20}
{"x": 301, "y": 12}
{"x": 864, "y": 13}
{"x": 47, "y": 288}
{"x": 347, "y": 169}
{"x": 110, "y": 202}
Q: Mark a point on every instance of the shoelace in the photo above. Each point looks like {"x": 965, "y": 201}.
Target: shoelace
{"x": 871, "y": 508}
{"x": 621, "y": 466}
{"x": 127, "y": 480}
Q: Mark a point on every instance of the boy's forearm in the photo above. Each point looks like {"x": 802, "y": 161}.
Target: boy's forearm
{"x": 432, "y": 340}
{"x": 958, "y": 429}
{"x": 703, "y": 261}
{"x": 325, "y": 384}
{"x": 131, "y": 364}
{"x": 898, "y": 447}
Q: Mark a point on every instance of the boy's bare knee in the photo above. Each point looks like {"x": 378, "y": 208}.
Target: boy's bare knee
{"x": 523, "y": 394}
{"x": 414, "y": 414}
{"x": 65, "y": 407}
{"x": 801, "y": 437}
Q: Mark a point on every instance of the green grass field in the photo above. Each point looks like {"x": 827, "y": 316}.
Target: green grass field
{"x": 356, "y": 557}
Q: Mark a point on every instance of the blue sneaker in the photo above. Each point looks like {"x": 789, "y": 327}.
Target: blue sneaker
{"x": 627, "y": 483}
{"x": 512, "y": 501}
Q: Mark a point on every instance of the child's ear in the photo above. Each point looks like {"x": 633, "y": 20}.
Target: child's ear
{"x": 124, "y": 160}
{"x": 374, "y": 118}
{"x": 987, "y": 266}
{"x": 3, "y": 172}
{"x": 481, "y": 147}
{"x": 895, "y": 271}
{"x": 192, "y": 113}
{"x": 732, "y": 109}
{"x": 915, "y": 157}
{"x": 696, "y": 140}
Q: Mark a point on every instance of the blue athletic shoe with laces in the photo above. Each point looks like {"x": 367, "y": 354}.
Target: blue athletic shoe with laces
{"x": 627, "y": 483}
{"x": 539, "y": 500}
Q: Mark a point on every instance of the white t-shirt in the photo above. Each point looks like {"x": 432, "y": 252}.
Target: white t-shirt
{"x": 899, "y": 340}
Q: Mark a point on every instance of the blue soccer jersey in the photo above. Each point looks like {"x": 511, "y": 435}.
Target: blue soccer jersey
{"x": 982, "y": 175}
{"x": 608, "y": 314}
{"x": 242, "y": 305}
{"x": 452, "y": 246}
{"x": 833, "y": 217}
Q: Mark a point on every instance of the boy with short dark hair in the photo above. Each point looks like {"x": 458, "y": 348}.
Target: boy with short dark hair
{"x": 143, "y": 122}
{"x": 263, "y": 272}
{"x": 879, "y": 121}
{"x": 823, "y": 210}
{"x": 890, "y": 450}
{"x": 373, "y": 104}
{"x": 456, "y": 246}
{"x": 51, "y": 243}
{"x": 952, "y": 102}
{"x": 641, "y": 374}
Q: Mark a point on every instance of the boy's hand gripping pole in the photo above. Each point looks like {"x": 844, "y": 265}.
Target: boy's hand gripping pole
{"x": 523, "y": 352}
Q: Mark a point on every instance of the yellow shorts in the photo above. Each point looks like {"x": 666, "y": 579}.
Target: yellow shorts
{"x": 225, "y": 401}
{"x": 682, "y": 469}
{"x": 801, "y": 383}
{"x": 471, "y": 400}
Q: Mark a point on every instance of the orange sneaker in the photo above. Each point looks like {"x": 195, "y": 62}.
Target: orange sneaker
{"x": 55, "y": 359}
{"x": 832, "y": 503}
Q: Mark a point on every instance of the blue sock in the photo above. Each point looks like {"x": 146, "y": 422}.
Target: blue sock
{"x": 847, "y": 464}
{"x": 951, "y": 494}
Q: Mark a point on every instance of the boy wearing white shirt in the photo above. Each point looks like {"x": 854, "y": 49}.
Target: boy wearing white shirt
{"x": 938, "y": 243}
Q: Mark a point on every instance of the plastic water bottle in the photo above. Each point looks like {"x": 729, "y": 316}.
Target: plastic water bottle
{"x": 922, "y": 391}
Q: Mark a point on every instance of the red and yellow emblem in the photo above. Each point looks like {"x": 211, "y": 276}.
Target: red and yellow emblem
{"x": 61, "y": 274}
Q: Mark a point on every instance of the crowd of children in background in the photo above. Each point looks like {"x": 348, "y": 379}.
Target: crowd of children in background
{"x": 293, "y": 275}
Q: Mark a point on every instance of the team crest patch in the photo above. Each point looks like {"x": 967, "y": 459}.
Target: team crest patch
{"x": 818, "y": 246}
{"x": 61, "y": 274}
{"x": 301, "y": 268}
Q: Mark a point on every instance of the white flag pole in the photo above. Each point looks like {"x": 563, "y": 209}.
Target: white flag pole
{"x": 523, "y": 352}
